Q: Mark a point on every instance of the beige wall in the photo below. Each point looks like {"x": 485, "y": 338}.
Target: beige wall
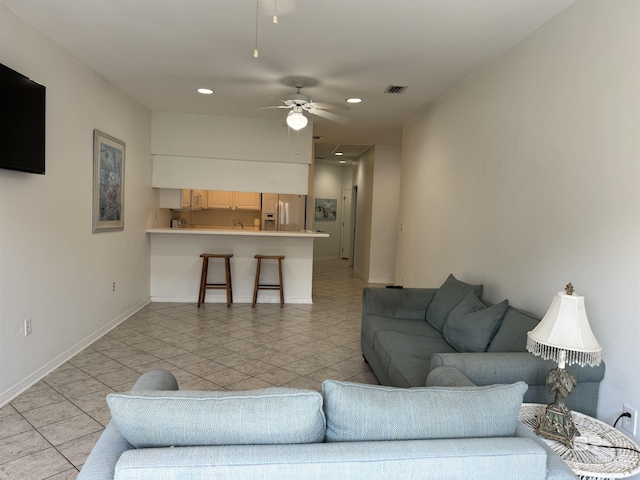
{"x": 385, "y": 206}
{"x": 328, "y": 182}
{"x": 53, "y": 269}
{"x": 527, "y": 176}
{"x": 223, "y": 153}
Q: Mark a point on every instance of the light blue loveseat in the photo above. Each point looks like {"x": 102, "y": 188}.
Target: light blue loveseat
{"x": 407, "y": 333}
{"x": 351, "y": 431}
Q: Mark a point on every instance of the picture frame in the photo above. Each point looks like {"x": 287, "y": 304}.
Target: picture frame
{"x": 108, "y": 182}
{"x": 326, "y": 209}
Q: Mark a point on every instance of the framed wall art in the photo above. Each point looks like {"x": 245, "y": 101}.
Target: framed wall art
{"x": 108, "y": 182}
{"x": 326, "y": 209}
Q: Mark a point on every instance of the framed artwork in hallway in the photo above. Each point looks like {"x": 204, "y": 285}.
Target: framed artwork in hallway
{"x": 108, "y": 182}
{"x": 326, "y": 209}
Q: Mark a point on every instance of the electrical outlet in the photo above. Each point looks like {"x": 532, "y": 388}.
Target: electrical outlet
{"x": 629, "y": 424}
{"x": 27, "y": 327}
{"x": 114, "y": 286}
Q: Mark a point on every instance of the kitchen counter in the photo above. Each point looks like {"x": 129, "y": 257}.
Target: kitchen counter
{"x": 236, "y": 231}
{"x": 176, "y": 264}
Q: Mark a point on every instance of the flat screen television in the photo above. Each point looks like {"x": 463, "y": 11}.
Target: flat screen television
{"x": 22, "y": 122}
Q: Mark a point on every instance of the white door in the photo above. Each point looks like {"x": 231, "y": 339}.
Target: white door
{"x": 347, "y": 238}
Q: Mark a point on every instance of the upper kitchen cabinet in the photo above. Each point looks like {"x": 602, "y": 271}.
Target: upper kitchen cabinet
{"x": 219, "y": 199}
{"x": 182, "y": 199}
{"x": 234, "y": 200}
{"x": 247, "y": 201}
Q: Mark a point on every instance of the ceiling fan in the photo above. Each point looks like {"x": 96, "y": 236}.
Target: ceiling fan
{"x": 299, "y": 103}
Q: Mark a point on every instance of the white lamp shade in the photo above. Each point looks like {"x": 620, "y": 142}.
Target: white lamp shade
{"x": 296, "y": 120}
{"x": 565, "y": 327}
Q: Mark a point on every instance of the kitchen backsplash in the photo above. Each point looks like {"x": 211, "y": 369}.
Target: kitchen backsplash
{"x": 217, "y": 217}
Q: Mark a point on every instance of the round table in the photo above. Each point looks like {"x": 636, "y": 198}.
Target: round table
{"x": 599, "y": 452}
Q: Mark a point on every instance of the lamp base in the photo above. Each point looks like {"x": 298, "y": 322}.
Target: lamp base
{"x": 557, "y": 424}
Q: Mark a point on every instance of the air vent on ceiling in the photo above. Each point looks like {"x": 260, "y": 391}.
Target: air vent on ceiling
{"x": 395, "y": 89}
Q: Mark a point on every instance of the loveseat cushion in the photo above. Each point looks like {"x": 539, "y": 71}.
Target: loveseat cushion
{"x": 358, "y": 412}
{"x": 446, "y": 298}
{"x": 190, "y": 418}
{"x": 471, "y": 325}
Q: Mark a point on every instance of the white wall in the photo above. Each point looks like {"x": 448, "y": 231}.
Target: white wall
{"x": 376, "y": 173}
{"x": 53, "y": 269}
{"x": 384, "y": 213}
{"x": 328, "y": 182}
{"x": 223, "y": 153}
{"x": 527, "y": 177}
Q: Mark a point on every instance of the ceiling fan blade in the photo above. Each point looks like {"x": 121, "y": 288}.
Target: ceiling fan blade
{"x": 329, "y": 116}
{"x": 267, "y": 108}
{"x": 330, "y": 106}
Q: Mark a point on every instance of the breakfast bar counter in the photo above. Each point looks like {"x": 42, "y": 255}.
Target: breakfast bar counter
{"x": 176, "y": 264}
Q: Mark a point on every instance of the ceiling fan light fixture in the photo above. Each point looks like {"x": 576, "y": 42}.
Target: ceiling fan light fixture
{"x": 296, "y": 120}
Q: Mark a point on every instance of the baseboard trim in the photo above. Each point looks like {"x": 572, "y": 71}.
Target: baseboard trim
{"x": 35, "y": 377}
{"x": 236, "y": 299}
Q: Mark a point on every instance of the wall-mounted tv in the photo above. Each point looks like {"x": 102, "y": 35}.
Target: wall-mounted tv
{"x": 22, "y": 122}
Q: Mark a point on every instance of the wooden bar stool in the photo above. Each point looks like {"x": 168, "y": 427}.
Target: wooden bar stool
{"x": 204, "y": 286}
{"x": 259, "y": 286}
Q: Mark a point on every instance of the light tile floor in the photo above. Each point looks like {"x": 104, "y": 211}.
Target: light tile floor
{"x": 48, "y": 431}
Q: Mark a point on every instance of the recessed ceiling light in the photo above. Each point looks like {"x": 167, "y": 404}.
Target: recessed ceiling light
{"x": 339, "y": 154}
{"x": 205, "y": 91}
{"x": 342, "y": 161}
{"x": 354, "y": 100}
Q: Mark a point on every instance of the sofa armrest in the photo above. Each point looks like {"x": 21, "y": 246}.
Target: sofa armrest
{"x": 510, "y": 367}
{"x": 446, "y": 376}
{"x": 101, "y": 463}
{"x": 557, "y": 469}
{"x": 408, "y": 303}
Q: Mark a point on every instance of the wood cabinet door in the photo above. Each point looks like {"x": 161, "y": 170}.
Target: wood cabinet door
{"x": 219, "y": 199}
{"x": 247, "y": 200}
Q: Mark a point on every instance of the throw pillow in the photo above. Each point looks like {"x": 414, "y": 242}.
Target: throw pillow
{"x": 446, "y": 298}
{"x": 267, "y": 416}
{"x": 471, "y": 325}
{"x": 357, "y": 412}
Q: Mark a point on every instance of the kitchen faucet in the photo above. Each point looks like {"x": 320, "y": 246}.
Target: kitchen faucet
{"x": 235, "y": 222}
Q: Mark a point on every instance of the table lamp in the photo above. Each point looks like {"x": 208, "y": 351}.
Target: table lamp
{"x": 564, "y": 336}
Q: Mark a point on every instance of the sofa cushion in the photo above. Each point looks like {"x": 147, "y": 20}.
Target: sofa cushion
{"x": 471, "y": 325}
{"x": 446, "y": 298}
{"x": 388, "y": 345}
{"x": 357, "y": 412}
{"x": 512, "y": 334}
{"x": 190, "y": 418}
{"x": 372, "y": 324}
{"x": 408, "y": 371}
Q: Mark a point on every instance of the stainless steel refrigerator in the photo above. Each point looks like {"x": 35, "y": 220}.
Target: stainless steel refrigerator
{"x": 284, "y": 212}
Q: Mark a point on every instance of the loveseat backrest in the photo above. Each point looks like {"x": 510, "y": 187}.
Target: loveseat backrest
{"x": 512, "y": 334}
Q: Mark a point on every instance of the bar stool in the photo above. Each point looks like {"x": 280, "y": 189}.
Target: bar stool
{"x": 204, "y": 286}
{"x": 259, "y": 286}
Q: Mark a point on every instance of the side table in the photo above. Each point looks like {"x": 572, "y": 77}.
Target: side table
{"x": 599, "y": 452}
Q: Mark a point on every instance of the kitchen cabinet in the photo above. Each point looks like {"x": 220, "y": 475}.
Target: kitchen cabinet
{"x": 233, "y": 200}
{"x": 194, "y": 199}
{"x": 177, "y": 199}
{"x": 219, "y": 199}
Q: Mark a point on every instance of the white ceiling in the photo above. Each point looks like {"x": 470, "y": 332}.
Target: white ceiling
{"x": 160, "y": 51}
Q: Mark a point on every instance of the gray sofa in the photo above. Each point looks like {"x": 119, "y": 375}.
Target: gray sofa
{"x": 351, "y": 431}
{"x": 407, "y": 333}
